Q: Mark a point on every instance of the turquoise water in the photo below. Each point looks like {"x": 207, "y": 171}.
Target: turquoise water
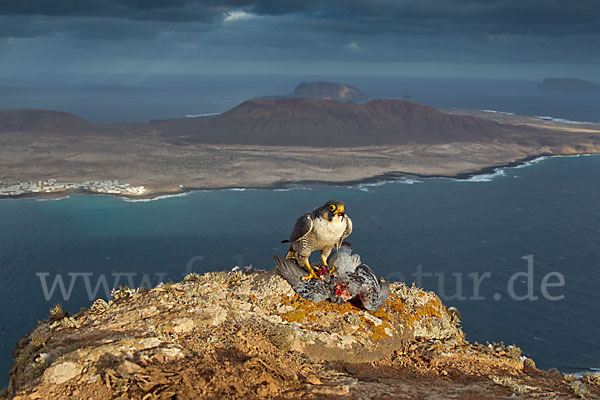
{"x": 451, "y": 228}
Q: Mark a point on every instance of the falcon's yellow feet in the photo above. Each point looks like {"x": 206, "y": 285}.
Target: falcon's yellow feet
{"x": 331, "y": 270}
{"x": 311, "y": 273}
{"x": 324, "y": 259}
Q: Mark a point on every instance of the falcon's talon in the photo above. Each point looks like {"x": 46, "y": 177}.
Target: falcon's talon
{"x": 311, "y": 275}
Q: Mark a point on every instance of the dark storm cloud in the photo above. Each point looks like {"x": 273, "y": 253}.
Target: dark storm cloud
{"x": 191, "y": 31}
{"x": 157, "y": 10}
{"x": 360, "y": 18}
{"x": 171, "y": 10}
{"x": 534, "y": 16}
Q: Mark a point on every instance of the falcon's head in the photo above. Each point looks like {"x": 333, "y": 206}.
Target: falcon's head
{"x": 333, "y": 208}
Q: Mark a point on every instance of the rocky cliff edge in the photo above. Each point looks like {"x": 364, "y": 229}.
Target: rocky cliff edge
{"x": 236, "y": 335}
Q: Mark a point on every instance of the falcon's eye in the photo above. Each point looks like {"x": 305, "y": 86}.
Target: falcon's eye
{"x": 331, "y": 207}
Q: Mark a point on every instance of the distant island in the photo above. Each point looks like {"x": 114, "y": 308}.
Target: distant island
{"x": 270, "y": 143}
{"x": 324, "y": 90}
{"x": 567, "y": 84}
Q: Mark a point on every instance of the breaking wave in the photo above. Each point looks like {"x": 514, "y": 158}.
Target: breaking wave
{"x": 498, "y": 172}
{"x": 55, "y": 199}
{"x": 162, "y": 197}
{"x": 202, "y": 115}
{"x": 566, "y": 121}
{"x": 532, "y": 162}
{"x": 498, "y": 112}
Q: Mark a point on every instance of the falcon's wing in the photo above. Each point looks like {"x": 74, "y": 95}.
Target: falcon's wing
{"x": 303, "y": 226}
{"x": 347, "y": 232}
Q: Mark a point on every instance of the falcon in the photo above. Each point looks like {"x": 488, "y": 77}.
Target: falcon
{"x": 323, "y": 229}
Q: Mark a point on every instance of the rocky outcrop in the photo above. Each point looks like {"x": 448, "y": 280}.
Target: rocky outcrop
{"x": 324, "y": 90}
{"x": 327, "y": 90}
{"x": 235, "y": 335}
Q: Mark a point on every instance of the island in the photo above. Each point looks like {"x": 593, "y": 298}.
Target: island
{"x": 324, "y": 90}
{"x": 270, "y": 143}
{"x": 567, "y": 84}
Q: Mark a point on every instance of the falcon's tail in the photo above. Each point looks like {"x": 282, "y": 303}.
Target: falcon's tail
{"x": 289, "y": 270}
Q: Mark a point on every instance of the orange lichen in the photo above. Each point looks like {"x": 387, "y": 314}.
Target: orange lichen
{"x": 425, "y": 311}
{"x": 395, "y": 304}
{"x": 305, "y": 310}
{"x": 379, "y": 332}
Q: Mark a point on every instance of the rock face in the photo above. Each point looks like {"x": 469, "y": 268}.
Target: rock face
{"x": 567, "y": 84}
{"x": 235, "y": 335}
{"x": 327, "y": 90}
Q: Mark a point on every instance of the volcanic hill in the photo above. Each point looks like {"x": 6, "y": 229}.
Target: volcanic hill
{"x": 45, "y": 122}
{"x": 319, "y": 122}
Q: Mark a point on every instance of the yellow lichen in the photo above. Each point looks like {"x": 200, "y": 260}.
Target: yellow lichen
{"x": 422, "y": 312}
{"x": 307, "y": 311}
{"x": 379, "y": 332}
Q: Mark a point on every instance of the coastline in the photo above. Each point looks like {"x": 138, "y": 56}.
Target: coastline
{"x": 166, "y": 166}
{"x": 390, "y": 176}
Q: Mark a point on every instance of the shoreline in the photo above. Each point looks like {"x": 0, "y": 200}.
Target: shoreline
{"x": 391, "y": 176}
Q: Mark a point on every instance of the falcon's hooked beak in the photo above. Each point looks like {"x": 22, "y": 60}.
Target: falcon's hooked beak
{"x": 340, "y": 211}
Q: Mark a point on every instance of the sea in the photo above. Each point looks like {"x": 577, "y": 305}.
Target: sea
{"x": 516, "y": 250}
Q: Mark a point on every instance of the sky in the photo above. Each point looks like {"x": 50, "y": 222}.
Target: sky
{"x": 463, "y": 38}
